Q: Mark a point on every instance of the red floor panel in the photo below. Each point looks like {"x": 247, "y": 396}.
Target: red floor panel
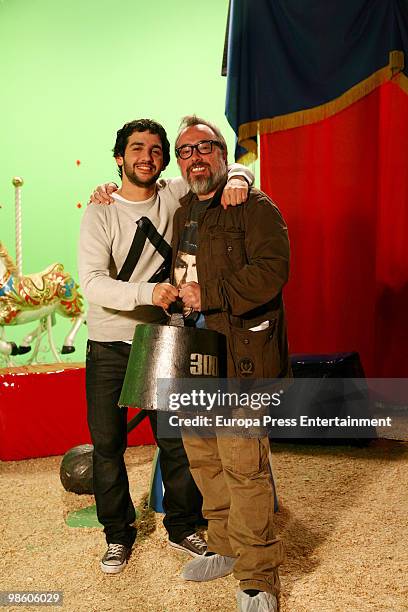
{"x": 43, "y": 411}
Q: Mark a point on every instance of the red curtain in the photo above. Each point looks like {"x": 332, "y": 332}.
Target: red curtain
{"x": 342, "y": 186}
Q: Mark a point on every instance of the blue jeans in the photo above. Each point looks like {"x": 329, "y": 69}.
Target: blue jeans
{"x": 106, "y": 364}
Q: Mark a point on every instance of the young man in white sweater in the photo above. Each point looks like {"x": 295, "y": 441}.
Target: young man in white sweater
{"x": 122, "y": 293}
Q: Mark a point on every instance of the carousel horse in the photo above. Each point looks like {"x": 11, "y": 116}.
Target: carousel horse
{"x": 37, "y": 297}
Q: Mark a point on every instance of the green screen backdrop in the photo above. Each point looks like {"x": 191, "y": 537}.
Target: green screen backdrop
{"x": 73, "y": 72}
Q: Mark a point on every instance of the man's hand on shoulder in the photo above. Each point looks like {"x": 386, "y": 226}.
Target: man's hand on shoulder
{"x": 103, "y": 194}
{"x": 190, "y": 293}
{"x": 164, "y": 294}
{"x": 235, "y": 192}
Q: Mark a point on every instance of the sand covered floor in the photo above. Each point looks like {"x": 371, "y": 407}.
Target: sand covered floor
{"x": 343, "y": 516}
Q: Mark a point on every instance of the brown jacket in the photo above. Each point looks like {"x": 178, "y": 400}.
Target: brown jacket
{"x": 242, "y": 266}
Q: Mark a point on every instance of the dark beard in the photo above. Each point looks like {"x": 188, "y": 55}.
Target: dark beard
{"x": 136, "y": 181}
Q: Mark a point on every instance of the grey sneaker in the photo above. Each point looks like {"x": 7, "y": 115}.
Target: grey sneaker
{"x": 115, "y": 558}
{"x": 206, "y": 567}
{"x": 263, "y": 602}
{"x": 193, "y": 544}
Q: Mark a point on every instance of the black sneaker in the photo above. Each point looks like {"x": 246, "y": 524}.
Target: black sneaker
{"x": 115, "y": 558}
{"x": 193, "y": 544}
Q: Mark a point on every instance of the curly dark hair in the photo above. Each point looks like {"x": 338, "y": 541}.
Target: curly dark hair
{"x": 141, "y": 125}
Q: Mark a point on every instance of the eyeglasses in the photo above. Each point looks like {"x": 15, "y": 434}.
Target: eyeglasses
{"x": 204, "y": 147}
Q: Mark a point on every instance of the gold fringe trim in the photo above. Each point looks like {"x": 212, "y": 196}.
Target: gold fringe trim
{"x": 252, "y": 152}
{"x": 402, "y": 81}
{"x": 323, "y": 111}
{"x": 397, "y": 61}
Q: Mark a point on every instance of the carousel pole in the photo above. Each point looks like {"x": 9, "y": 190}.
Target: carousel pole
{"x": 18, "y": 183}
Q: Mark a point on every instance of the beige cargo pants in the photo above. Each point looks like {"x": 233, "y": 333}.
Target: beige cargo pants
{"x": 234, "y": 477}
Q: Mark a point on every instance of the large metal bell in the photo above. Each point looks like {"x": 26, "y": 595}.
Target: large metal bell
{"x": 171, "y": 353}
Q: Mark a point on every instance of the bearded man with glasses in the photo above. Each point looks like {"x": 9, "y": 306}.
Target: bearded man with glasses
{"x": 242, "y": 264}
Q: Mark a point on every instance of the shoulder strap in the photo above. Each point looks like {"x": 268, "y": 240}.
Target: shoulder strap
{"x": 133, "y": 256}
{"x": 146, "y": 229}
